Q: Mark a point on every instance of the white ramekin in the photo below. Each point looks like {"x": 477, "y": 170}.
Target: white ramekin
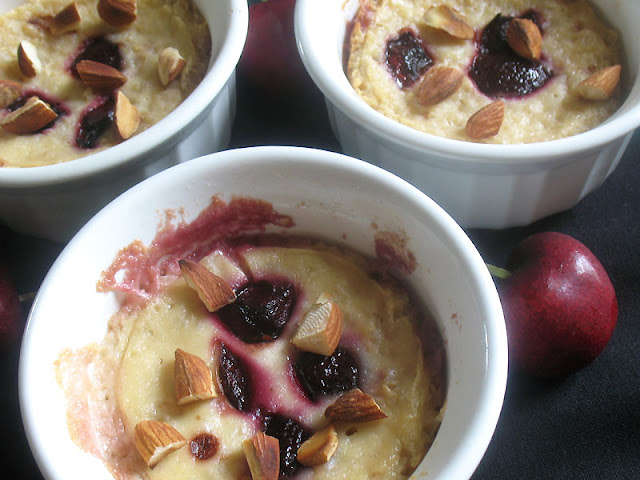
{"x": 480, "y": 185}
{"x": 330, "y": 196}
{"x": 55, "y": 201}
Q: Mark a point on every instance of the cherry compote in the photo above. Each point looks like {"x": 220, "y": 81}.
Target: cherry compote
{"x": 260, "y": 311}
{"x": 290, "y": 435}
{"x": 96, "y": 119}
{"x": 234, "y": 379}
{"x": 99, "y": 49}
{"x": 498, "y": 71}
{"x": 320, "y": 375}
{"x": 407, "y": 58}
{"x": 55, "y": 105}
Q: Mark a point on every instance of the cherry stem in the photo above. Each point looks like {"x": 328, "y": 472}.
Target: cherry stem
{"x": 26, "y": 297}
{"x": 498, "y": 272}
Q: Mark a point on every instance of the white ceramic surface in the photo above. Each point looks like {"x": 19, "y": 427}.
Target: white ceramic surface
{"x": 343, "y": 199}
{"x": 55, "y": 201}
{"x": 480, "y": 185}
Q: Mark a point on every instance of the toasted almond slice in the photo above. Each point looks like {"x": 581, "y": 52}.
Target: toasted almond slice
{"x": 9, "y": 92}
{"x": 213, "y": 290}
{"x": 354, "y": 406}
{"x": 448, "y": 19}
{"x": 263, "y": 456}
{"x": 127, "y": 116}
{"x": 28, "y": 60}
{"x": 118, "y": 13}
{"x": 170, "y": 64}
{"x": 155, "y": 440}
{"x": 486, "y": 122}
{"x": 601, "y": 84}
{"x": 100, "y": 77}
{"x": 31, "y": 117}
{"x": 319, "y": 449}
{"x": 193, "y": 378}
{"x": 65, "y": 20}
{"x": 524, "y": 38}
{"x": 439, "y": 83}
{"x": 320, "y": 328}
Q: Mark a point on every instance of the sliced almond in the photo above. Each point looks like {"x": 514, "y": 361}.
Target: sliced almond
{"x": 9, "y": 92}
{"x": 439, "y": 83}
{"x": 170, "y": 64}
{"x": 28, "y": 60}
{"x": 155, "y": 440}
{"x": 601, "y": 84}
{"x": 524, "y": 38}
{"x": 65, "y": 20}
{"x": 443, "y": 17}
{"x": 100, "y": 77}
{"x": 263, "y": 456}
{"x": 213, "y": 290}
{"x": 193, "y": 378}
{"x": 127, "y": 117}
{"x": 354, "y": 406}
{"x": 320, "y": 328}
{"x": 118, "y": 13}
{"x": 319, "y": 449}
{"x": 34, "y": 115}
{"x": 486, "y": 122}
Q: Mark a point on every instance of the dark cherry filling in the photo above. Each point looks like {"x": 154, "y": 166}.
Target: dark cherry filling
{"x": 320, "y": 375}
{"x": 260, "y": 312}
{"x": 407, "y": 58}
{"x": 56, "y": 105}
{"x": 99, "y": 49}
{"x": 497, "y": 71}
{"x": 94, "y": 121}
{"x": 290, "y": 435}
{"x": 203, "y": 446}
{"x": 234, "y": 379}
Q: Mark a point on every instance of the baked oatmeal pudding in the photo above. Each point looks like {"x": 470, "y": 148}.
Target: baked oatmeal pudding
{"x": 79, "y": 77}
{"x": 236, "y": 356}
{"x": 495, "y": 71}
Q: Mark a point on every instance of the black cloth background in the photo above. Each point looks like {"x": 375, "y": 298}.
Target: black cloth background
{"x": 586, "y": 426}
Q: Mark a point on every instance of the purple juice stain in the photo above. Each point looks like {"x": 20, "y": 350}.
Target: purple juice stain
{"x": 320, "y": 375}
{"x": 498, "y": 71}
{"x": 260, "y": 311}
{"x": 290, "y": 435}
{"x": 99, "y": 49}
{"x": 96, "y": 119}
{"x": 235, "y": 380}
{"x": 407, "y": 58}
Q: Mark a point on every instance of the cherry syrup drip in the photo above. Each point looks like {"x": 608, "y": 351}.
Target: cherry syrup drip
{"x": 498, "y": 71}
{"x": 99, "y": 49}
{"x": 94, "y": 121}
{"x": 407, "y": 58}
{"x": 260, "y": 312}
{"x": 56, "y": 105}
{"x": 320, "y": 375}
{"x": 290, "y": 435}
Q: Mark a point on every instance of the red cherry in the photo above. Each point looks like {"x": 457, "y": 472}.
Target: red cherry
{"x": 270, "y": 58}
{"x": 11, "y": 323}
{"x": 559, "y": 304}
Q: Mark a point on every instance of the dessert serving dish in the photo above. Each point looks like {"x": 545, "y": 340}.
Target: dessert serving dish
{"x": 118, "y": 110}
{"x": 332, "y": 210}
{"x": 525, "y": 156}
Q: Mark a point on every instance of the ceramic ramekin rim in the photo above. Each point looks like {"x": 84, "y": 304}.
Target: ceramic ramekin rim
{"x": 340, "y": 94}
{"x": 140, "y": 148}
